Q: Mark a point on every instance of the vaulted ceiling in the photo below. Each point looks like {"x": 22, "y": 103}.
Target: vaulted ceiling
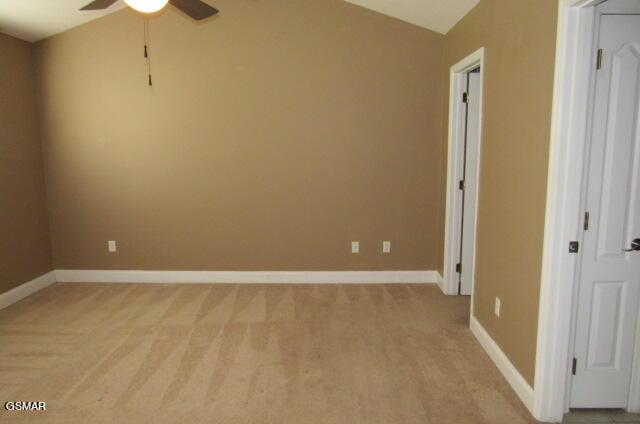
{"x": 33, "y": 20}
{"x": 436, "y": 15}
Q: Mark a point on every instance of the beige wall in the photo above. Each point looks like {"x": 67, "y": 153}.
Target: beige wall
{"x": 25, "y": 250}
{"x": 519, "y": 37}
{"x": 273, "y": 136}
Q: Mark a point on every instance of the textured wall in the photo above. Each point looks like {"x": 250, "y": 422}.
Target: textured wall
{"x": 519, "y": 38}
{"x": 274, "y": 135}
{"x": 25, "y": 250}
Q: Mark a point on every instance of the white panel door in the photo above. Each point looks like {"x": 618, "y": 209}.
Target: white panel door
{"x": 471, "y": 183}
{"x": 610, "y": 276}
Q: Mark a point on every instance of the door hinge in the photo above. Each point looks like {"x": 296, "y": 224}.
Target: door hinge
{"x": 599, "y": 61}
{"x": 461, "y": 185}
{"x": 574, "y": 366}
{"x": 574, "y": 247}
{"x": 459, "y": 268}
{"x": 465, "y": 97}
{"x": 586, "y": 221}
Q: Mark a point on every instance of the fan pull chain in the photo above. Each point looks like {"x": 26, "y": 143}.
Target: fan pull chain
{"x": 147, "y": 45}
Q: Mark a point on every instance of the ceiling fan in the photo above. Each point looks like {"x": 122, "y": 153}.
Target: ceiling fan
{"x": 196, "y": 9}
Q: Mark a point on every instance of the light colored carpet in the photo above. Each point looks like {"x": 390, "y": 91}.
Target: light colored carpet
{"x": 107, "y": 353}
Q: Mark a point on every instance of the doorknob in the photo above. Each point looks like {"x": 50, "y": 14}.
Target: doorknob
{"x": 635, "y": 246}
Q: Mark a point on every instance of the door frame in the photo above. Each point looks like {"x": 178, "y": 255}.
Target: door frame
{"x": 455, "y": 151}
{"x": 574, "y": 72}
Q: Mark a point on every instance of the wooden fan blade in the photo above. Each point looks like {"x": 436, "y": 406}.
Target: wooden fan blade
{"x": 98, "y": 4}
{"x": 197, "y": 9}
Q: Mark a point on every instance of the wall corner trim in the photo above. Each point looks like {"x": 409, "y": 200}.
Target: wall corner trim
{"x": 508, "y": 370}
{"x": 30, "y": 287}
{"x": 241, "y": 277}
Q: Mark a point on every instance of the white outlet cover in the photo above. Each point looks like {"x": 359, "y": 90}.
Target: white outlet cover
{"x": 498, "y": 307}
{"x": 111, "y": 244}
{"x": 386, "y": 246}
{"x": 355, "y": 247}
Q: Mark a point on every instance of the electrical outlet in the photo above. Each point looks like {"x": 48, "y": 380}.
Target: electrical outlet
{"x": 355, "y": 247}
{"x": 498, "y": 307}
{"x": 111, "y": 245}
{"x": 386, "y": 247}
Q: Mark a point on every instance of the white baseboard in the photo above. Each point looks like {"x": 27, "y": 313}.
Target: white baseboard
{"x": 440, "y": 281}
{"x": 515, "y": 379}
{"x": 237, "y": 277}
{"x": 18, "y": 293}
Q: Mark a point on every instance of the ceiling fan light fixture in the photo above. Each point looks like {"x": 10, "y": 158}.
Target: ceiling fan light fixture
{"x": 147, "y": 6}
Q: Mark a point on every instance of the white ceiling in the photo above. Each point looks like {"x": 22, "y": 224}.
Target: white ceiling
{"x": 436, "y": 15}
{"x": 33, "y": 20}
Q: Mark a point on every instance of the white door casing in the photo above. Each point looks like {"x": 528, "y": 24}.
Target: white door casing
{"x": 455, "y": 166}
{"x": 470, "y": 182}
{"x": 572, "y": 92}
{"x": 609, "y": 289}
